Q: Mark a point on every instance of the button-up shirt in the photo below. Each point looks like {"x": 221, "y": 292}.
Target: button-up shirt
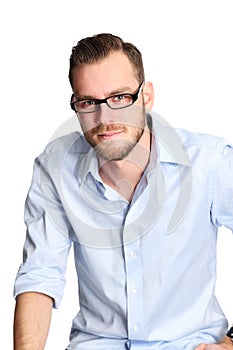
{"x": 146, "y": 269}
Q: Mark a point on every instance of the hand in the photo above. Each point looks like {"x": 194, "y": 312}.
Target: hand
{"x": 224, "y": 344}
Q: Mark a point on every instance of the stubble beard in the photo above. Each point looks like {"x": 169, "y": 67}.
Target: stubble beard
{"x": 117, "y": 149}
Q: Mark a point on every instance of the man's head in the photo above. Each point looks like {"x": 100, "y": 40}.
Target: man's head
{"x": 109, "y": 94}
{"x": 93, "y": 49}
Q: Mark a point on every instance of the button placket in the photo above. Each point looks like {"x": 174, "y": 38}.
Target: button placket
{"x": 134, "y": 288}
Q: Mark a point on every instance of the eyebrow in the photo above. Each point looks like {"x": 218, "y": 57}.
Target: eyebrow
{"x": 125, "y": 89}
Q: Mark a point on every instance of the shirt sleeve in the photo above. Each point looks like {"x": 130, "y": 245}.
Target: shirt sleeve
{"x": 222, "y": 209}
{"x": 47, "y": 242}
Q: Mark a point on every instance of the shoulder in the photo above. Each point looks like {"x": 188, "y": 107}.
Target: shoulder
{"x": 74, "y": 142}
{"x": 183, "y": 141}
{"x": 56, "y": 151}
{"x": 203, "y": 142}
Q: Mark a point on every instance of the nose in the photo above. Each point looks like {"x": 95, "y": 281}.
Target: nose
{"x": 104, "y": 114}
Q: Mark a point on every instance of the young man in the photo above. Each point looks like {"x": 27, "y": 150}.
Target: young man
{"x": 141, "y": 204}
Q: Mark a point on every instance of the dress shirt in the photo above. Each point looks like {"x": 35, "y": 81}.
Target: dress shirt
{"x": 146, "y": 269}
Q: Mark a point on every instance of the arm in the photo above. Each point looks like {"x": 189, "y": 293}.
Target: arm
{"x": 32, "y": 321}
{"x": 222, "y": 214}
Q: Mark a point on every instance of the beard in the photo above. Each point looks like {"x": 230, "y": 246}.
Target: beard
{"x": 117, "y": 149}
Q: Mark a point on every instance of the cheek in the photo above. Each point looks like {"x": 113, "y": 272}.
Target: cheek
{"x": 132, "y": 116}
{"x": 87, "y": 123}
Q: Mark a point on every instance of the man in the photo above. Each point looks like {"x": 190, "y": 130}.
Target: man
{"x": 141, "y": 204}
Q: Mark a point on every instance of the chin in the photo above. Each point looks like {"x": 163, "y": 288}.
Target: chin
{"x": 117, "y": 152}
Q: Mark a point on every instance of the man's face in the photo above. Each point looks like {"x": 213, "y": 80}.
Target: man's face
{"x": 113, "y": 133}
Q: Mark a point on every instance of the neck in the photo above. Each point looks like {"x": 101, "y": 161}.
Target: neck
{"x": 124, "y": 175}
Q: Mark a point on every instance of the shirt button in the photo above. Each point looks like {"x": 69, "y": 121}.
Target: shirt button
{"x": 132, "y": 255}
{"x": 135, "y": 328}
{"x": 133, "y": 290}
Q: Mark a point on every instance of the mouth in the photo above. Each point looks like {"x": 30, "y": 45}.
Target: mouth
{"x": 108, "y": 135}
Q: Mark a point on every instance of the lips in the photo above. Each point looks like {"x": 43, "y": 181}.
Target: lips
{"x": 109, "y": 134}
{"x": 108, "y": 131}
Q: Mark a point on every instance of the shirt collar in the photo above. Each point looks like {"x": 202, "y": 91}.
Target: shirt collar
{"x": 89, "y": 164}
{"x": 168, "y": 143}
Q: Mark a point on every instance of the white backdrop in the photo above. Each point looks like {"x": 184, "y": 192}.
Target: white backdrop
{"x": 188, "y": 54}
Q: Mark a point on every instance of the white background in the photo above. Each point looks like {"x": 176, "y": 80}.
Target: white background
{"x": 188, "y": 54}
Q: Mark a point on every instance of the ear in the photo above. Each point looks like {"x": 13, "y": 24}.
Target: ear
{"x": 148, "y": 94}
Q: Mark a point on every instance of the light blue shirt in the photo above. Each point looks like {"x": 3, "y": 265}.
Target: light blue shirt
{"x": 146, "y": 269}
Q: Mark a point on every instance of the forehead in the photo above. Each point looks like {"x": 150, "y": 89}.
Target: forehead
{"x": 105, "y": 75}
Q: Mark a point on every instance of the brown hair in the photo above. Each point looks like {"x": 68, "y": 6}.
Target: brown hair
{"x": 93, "y": 49}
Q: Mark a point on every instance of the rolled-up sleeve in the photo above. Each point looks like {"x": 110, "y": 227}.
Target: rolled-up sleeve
{"x": 47, "y": 242}
{"x": 222, "y": 209}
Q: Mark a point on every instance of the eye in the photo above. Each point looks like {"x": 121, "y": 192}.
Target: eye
{"x": 123, "y": 98}
{"x": 119, "y": 97}
{"x": 86, "y": 103}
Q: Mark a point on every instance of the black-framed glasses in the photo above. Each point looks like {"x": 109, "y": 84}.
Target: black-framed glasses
{"x": 118, "y": 101}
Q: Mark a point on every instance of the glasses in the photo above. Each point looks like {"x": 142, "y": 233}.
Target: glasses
{"x": 118, "y": 101}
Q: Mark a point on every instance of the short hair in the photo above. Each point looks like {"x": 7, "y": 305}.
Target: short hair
{"x": 95, "y": 48}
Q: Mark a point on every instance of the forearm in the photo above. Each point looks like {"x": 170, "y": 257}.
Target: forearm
{"x": 32, "y": 321}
